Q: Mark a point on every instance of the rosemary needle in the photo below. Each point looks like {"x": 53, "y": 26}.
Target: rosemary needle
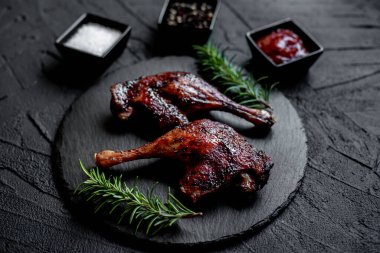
{"x": 139, "y": 209}
{"x": 242, "y": 88}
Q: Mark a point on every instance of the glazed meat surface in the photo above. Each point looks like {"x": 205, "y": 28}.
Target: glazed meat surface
{"x": 215, "y": 156}
{"x": 171, "y": 97}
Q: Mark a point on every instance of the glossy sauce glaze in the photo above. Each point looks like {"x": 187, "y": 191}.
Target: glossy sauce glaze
{"x": 214, "y": 154}
{"x": 282, "y": 45}
{"x": 171, "y": 97}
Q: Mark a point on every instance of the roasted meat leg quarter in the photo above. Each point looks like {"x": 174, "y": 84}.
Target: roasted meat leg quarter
{"x": 171, "y": 97}
{"x": 215, "y": 156}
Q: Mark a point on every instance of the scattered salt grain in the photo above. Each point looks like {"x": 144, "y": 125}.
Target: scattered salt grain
{"x": 93, "y": 38}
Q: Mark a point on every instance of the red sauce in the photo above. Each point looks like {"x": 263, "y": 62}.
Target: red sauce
{"x": 282, "y": 45}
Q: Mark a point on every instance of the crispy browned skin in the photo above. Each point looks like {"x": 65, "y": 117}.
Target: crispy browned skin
{"x": 171, "y": 97}
{"x": 214, "y": 154}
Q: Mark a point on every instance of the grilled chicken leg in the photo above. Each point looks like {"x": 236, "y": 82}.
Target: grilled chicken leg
{"x": 171, "y": 97}
{"x": 215, "y": 156}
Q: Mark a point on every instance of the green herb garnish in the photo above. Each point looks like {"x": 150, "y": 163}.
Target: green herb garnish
{"x": 110, "y": 193}
{"x": 242, "y": 88}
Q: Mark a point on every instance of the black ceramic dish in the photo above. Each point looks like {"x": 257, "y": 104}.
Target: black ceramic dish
{"x": 185, "y": 35}
{"x": 301, "y": 64}
{"x": 78, "y": 57}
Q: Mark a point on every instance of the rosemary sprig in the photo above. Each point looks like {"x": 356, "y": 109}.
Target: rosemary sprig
{"x": 242, "y": 87}
{"x": 140, "y": 209}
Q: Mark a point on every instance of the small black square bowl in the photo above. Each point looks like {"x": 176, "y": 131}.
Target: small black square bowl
{"x": 185, "y": 35}
{"x": 298, "y": 65}
{"x": 79, "y": 57}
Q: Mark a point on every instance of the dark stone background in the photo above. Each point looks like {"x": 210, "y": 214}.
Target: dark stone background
{"x": 338, "y": 205}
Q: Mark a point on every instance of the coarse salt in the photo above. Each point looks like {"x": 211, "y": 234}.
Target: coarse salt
{"x": 93, "y": 38}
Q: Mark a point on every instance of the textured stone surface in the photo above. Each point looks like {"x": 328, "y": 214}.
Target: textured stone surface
{"x": 338, "y": 205}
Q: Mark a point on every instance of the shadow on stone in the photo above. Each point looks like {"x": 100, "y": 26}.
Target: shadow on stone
{"x": 71, "y": 74}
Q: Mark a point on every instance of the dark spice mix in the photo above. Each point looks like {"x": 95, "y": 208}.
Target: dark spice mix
{"x": 190, "y": 14}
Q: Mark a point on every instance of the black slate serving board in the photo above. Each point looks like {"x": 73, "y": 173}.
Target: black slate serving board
{"x": 88, "y": 128}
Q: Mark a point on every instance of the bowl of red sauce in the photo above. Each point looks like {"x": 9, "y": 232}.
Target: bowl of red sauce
{"x": 284, "y": 47}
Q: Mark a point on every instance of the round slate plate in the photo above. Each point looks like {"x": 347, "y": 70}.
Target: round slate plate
{"x": 88, "y": 128}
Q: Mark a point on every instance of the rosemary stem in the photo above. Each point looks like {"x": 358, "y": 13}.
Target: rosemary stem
{"x": 240, "y": 86}
{"x": 138, "y": 208}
